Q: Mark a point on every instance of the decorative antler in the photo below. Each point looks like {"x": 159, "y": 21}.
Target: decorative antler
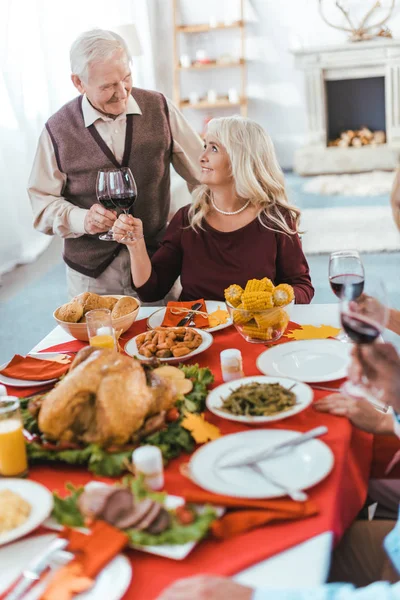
{"x": 361, "y": 32}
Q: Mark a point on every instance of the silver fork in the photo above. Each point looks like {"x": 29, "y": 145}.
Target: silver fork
{"x": 294, "y": 494}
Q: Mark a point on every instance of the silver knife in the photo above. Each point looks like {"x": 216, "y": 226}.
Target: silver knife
{"x": 35, "y": 568}
{"x": 188, "y": 317}
{"x": 268, "y": 452}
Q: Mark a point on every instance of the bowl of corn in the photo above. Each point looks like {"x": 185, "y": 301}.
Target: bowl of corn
{"x": 260, "y": 312}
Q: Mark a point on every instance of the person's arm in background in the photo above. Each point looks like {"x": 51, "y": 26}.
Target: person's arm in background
{"x": 292, "y": 267}
{"x": 53, "y": 214}
{"x": 394, "y": 320}
{"x": 152, "y": 279}
{"x": 187, "y": 147}
{"x": 208, "y": 587}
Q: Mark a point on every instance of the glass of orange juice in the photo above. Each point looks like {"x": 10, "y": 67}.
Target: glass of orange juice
{"x": 13, "y": 459}
{"x": 100, "y": 329}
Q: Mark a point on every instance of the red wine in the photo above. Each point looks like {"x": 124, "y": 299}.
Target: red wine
{"x": 360, "y": 330}
{"x": 107, "y": 203}
{"x": 354, "y": 285}
{"x": 124, "y": 201}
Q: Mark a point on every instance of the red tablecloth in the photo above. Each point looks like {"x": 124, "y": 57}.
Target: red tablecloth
{"x": 339, "y": 497}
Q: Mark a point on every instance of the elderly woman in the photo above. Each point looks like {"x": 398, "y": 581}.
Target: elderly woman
{"x": 240, "y": 225}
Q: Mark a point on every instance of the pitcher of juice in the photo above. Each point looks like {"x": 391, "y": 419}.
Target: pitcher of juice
{"x": 100, "y": 329}
{"x": 13, "y": 459}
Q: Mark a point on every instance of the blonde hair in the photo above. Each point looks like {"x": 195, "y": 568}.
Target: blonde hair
{"x": 256, "y": 174}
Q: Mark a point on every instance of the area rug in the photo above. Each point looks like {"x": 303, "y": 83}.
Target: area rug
{"x": 373, "y": 183}
{"x": 364, "y": 228}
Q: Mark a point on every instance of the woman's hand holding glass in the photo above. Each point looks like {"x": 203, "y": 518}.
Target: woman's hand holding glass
{"x": 128, "y": 230}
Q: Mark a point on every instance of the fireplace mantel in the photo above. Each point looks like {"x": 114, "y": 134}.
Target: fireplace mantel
{"x": 351, "y": 60}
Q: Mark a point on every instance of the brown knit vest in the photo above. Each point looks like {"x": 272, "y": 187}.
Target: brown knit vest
{"x": 81, "y": 152}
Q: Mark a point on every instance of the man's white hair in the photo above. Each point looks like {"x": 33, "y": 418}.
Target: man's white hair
{"x": 94, "y": 46}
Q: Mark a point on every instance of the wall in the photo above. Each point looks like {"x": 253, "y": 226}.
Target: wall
{"x": 275, "y": 87}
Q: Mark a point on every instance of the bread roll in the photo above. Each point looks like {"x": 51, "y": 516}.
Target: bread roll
{"x": 108, "y": 302}
{"x": 70, "y": 312}
{"x": 124, "y": 306}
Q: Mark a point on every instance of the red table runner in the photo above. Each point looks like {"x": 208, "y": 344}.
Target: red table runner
{"x": 339, "y": 497}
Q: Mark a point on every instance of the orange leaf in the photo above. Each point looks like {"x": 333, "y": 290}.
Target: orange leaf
{"x": 311, "y": 332}
{"x": 201, "y": 430}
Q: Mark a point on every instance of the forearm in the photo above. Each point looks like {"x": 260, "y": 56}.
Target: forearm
{"x": 56, "y": 216}
{"x": 394, "y": 320}
{"x": 140, "y": 263}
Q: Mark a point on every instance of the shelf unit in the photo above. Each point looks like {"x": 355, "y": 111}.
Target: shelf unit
{"x": 221, "y": 101}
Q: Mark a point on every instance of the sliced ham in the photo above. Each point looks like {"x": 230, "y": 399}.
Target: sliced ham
{"x": 138, "y": 512}
{"x": 149, "y": 518}
{"x": 118, "y": 504}
{"x": 161, "y": 523}
{"x": 92, "y": 502}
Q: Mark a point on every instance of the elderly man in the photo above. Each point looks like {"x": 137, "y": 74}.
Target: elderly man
{"x": 111, "y": 124}
{"x": 369, "y": 555}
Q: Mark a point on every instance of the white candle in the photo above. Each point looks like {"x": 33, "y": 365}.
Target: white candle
{"x": 233, "y": 95}
{"x": 185, "y": 60}
{"x": 231, "y": 364}
{"x": 147, "y": 460}
{"x": 212, "y": 96}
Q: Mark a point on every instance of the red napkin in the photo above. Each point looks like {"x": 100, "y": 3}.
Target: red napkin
{"x": 34, "y": 369}
{"x": 92, "y": 553}
{"x": 172, "y": 320}
{"x": 251, "y": 513}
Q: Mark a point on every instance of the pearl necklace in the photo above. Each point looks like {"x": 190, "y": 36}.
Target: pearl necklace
{"x": 225, "y": 212}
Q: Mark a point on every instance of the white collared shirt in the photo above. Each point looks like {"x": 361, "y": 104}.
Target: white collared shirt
{"x": 54, "y": 214}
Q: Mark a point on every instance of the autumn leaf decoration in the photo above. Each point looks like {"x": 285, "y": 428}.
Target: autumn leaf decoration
{"x": 311, "y": 332}
{"x": 201, "y": 430}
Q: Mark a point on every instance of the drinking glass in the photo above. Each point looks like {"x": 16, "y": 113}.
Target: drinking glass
{"x": 100, "y": 328}
{"x": 346, "y": 268}
{"x": 13, "y": 459}
{"x": 115, "y": 189}
{"x": 364, "y": 319}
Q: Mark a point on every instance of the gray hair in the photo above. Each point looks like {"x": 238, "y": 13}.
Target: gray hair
{"x": 93, "y": 46}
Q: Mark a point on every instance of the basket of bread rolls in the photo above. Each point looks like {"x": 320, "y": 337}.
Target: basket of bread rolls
{"x": 72, "y": 315}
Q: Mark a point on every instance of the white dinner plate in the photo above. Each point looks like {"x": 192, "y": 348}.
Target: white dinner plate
{"x": 174, "y": 551}
{"x": 207, "y": 339}
{"x": 311, "y": 361}
{"x": 300, "y": 467}
{"x": 111, "y": 583}
{"x": 215, "y": 398}
{"x": 25, "y": 382}
{"x": 157, "y": 317}
{"x": 40, "y": 499}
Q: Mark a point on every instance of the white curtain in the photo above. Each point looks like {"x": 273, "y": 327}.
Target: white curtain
{"x": 35, "y": 37}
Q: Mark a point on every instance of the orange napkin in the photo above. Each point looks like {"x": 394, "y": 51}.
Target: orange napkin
{"x": 171, "y": 320}
{"x": 34, "y": 369}
{"x": 92, "y": 553}
{"x": 252, "y": 513}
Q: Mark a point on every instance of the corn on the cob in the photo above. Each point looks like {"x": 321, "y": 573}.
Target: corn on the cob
{"x": 257, "y": 300}
{"x": 233, "y": 294}
{"x": 275, "y": 317}
{"x": 256, "y": 333}
{"x": 241, "y": 316}
{"x": 283, "y": 294}
{"x": 259, "y": 285}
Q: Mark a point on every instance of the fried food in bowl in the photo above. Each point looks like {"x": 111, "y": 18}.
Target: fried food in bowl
{"x": 72, "y": 315}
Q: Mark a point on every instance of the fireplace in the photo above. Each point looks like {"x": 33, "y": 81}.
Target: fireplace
{"x": 353, "y": 106}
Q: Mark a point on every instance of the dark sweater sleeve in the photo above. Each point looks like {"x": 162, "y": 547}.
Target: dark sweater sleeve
{"x": 166, "y": 262}
{"x": 292, "y": 267}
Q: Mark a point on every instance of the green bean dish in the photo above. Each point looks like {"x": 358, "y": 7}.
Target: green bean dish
{"x": 259, "y": 400}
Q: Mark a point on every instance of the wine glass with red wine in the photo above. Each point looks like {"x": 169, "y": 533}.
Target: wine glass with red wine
{"x": 116, "y": 189}
{"x": 364, "y": 319}
{"x": 346, "y": 269}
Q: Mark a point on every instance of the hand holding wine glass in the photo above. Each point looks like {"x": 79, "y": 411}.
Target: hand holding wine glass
{"x": 128, "y": 230}
{"x": 364, "y": 320}
{"x": 116, "y": 188}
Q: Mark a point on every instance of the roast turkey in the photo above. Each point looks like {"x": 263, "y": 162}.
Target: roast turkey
{"x": 104, "y": 399}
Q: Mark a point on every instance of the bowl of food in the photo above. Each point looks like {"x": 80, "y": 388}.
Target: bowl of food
{"x": 72, "y": 315}
{"x": 260, "y": 312}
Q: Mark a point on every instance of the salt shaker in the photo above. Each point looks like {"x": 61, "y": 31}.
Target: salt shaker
{"x": 147, "y": 460}
{"x": 231, "y": 364}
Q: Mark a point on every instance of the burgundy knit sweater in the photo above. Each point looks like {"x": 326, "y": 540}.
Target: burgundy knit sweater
{"x": 209, "y": 260}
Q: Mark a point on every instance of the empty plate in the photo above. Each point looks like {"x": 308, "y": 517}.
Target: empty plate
{"x": 307, "y": 360}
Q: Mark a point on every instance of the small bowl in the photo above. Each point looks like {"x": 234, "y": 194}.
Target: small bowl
{"x": 261, "y": 326}
{"x": 79, "y": 330}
